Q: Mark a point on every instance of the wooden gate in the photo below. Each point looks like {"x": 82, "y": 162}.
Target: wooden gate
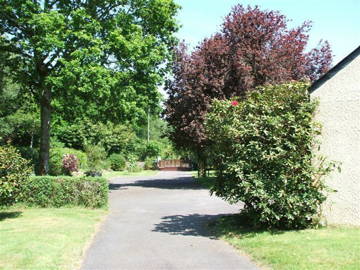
{"x": 174, "y": 165}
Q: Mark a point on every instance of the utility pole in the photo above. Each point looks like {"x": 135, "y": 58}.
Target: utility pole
{"x": 148, "y": 126}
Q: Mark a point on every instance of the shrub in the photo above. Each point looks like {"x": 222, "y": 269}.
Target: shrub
{"x": 134, "y": 168}
{"x": 70, "y": 163}
{"x": 117, "y": 162}
{"x": 136, "y": 148}
{"x": 96, "y": 157}
{"x": 30, "y": 154}
{"x": 149, "y": 164}
{"x": 152, "y": 150}
{"x": 264, "y": 149}
{"x": 71, "y": 135}
{"x": 132, "y": 164}
{"x": 56, "y": 160}
{"x": 14, "y": 172}
{"x": 50, "y": 191}
{"x": 93, "y": 173}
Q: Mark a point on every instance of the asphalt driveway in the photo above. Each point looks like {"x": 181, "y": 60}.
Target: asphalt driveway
{"x": 159, "y": 222}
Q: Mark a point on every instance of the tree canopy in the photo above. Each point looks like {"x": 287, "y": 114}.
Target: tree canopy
{"x": 101, "y": 59}
{"x": 254, "y": 47}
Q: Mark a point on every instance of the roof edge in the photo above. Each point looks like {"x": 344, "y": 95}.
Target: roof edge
{"x": 332, "y": 72}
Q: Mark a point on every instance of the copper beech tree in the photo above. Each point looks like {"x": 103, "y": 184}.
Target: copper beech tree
{"x": 254, "y": 47}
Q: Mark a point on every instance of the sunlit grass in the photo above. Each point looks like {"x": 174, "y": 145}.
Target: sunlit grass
{"x": 113, "y": 174}
{"x": 46, "y": 238}
{"x": 336, "y": 248}
{"x": 206, "y": 182}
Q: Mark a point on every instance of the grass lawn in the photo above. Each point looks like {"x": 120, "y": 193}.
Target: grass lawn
{"x": 313, "y": 249}
{"x": 206, "y": 182}
{"x": 112, "y": 174}
{"x": 46, "y": 238}
{"x": 333, "y": 247}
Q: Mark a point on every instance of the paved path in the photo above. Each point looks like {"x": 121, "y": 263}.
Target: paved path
{"x": 158, "y": 223}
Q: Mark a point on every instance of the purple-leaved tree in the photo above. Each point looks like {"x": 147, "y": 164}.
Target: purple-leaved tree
{"x": 254, "y": 47}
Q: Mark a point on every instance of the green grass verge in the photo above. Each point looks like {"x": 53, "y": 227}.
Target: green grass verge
{"x": 46, "y": 238}
{"x": 312, "y": 249}
{"x": 206, "y": 182}
{"x": 112, "y": 174}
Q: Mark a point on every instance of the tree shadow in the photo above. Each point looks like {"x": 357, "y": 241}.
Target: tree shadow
{"x": 211, "y": 226}
{"x": 188, "y": 225}
{"x": 240, "y": 225}
{"x": 175, "y": 183}
{"x": 6, "y": 215}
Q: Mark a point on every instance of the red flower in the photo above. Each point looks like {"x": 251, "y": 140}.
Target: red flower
{"x": 234, "y": 103}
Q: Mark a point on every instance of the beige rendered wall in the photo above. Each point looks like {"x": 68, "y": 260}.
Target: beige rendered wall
{"x": 339, "y": 113}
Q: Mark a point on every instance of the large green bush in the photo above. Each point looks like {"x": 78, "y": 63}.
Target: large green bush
{"x": 117, "y": 162}
{"x": 264, "y": 150}
{"x": 51, "y": 191}
{"x": 56, "y": 160}
{"x": 96, "y": 157}
{"x": 14, "y": 172}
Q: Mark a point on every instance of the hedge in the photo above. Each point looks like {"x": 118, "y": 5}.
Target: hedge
{"x": 50, "y": 191}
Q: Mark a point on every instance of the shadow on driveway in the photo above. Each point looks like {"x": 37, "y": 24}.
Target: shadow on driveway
{"x": 175, "y": 183}
{"x": 188, "y": 225}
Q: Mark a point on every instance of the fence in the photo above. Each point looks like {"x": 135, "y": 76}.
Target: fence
{"x": 174, "y": 165}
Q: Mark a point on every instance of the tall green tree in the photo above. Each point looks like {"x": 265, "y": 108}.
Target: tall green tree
{"x": 99, "y": 58}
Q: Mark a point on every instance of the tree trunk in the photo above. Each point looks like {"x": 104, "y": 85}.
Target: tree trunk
{"x": 202, "y": 169}
{"x": 32, "y": 140}
{"x": 201, "y": 165}
{"x": 45, "y": 117}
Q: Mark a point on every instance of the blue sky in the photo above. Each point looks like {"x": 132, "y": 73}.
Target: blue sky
{"x": 337, "y": 21}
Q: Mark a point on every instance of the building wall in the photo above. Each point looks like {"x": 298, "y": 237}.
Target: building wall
{"x": 339, "y": 113}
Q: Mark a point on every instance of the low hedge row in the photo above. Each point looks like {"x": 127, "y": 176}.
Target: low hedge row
{"x": 58, "y": 191}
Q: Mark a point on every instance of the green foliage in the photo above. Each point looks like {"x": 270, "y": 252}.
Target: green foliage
{"x": 71, "y": 135}
{"x": 113, "y": 138}
{"x": 117, "y": 162}
{"x": 264, "y": 149}
{"x": 48, "y": 191}
{"x": 135, "y": 148}
{"x": 101, "y": 60}
{"x": 96, "y": 155}
{"x": 30, "y": 154}
{"x": 114, "y": 53}
{"x": 150, "y": 164}
{"x": 14, "y": 172}
{"x": 19, "y": 123}
{"x": 132, "y": 164}
{"x": 153, "y": 150}
{"x": 56, "y": 160}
